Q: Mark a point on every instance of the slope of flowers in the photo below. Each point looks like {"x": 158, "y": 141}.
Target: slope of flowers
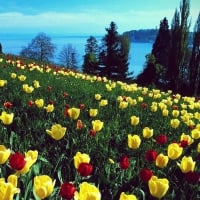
{"x": 67, "y": 135}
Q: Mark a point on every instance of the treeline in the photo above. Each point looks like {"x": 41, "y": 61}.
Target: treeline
{"x": 148, "y": 35}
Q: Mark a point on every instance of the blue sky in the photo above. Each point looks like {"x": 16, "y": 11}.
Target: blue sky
{"x": 86, "y": 16}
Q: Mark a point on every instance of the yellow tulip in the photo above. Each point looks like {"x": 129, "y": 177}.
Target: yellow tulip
{"x": 13, "y": 75}
{"x": 8, "y": 189}
{"x": 97, "y": 125}
{"x": 162, "y": 160}
{"x": 174, "y": 151}
{"x": 6, "y": 118}
{"x": 88, "y": 192}
{"x": 135, "y": 120}
{"x": 97, "y": 97}
{"x": 74, "y": 113}
{"x": 187, "y": 164}
{"x": 22, "y": 77}
{"x": 187, "y": 138}
{"x": 165, "y": 112}
{"x": 13, "y": 179}
{"x": 175, "y": 113}
{"x": 195, "y": 133}
{"x": 123, "y": 104}
{"x": 4, "y": 154}
{"x": 81, "y": 158}
{"x": 49, "y": 108}
{"x": 154, "y": 107}
{"x": 27, "y": 89}
{"x": 3, "y": 83}
{"x": 147, "y": 132}
{"x": 57, "y": 132}
{"x": 158, "y": 187}
{"x": 198, "y": 148}
{"x": 36, "y": 84}
{"x": 93, "y": 112}
{"x": 134, "y": 141}
{"x": 174, "y": 123}
{"x": 103, "y": 102}
{"x": 31, "y": 158}
{"x": 39, "y": 103}
{"x": 124, "y": 196}
{"x": 43, "y": 186}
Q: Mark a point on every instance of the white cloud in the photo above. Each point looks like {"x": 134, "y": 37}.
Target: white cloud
{"x": 86, "y": 21}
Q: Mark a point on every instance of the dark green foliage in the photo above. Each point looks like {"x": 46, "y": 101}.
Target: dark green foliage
{"x": 172, "y": 71}
{"x": 149, "y": 74}
{"x": 90, "y": 63}
{"x": 195, "y": 60}
{"x": 161, "y": 45}
{"x": 179, "y": 47}
{"x": 157, "y": 62}
{"x": 114, "y": 54}
{"x": 1, "y": 48}
{"x": 41, "y": 48}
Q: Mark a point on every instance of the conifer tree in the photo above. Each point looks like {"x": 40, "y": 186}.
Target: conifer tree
{"x": 161, "y": 47}
{"x": 194, "y": 70}
{"x": 114, "y": 54}
{"x": 90, "y": 63}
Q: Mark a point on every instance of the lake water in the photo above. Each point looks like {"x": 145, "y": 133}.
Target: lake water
{"x": 13, "y": 43}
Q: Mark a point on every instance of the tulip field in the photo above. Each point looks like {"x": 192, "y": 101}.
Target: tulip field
{"x": 73, "y": 136}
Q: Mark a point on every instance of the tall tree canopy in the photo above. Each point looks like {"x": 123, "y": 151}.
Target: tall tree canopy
{"x": 178, "y": 70}
{"x": 41, "y": 48}
{"x": 114, "y": 54}
{"x": 195, "y": 60}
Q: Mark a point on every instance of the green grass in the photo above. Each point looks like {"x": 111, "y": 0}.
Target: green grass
{"x": 55, "y": 159}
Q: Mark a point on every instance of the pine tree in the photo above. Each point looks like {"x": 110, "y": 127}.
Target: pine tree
{"x": 194, "y": 70}
{"x": 114, "y": 54}
{"x": 161, "y": 47}
{"x": 90, "y": 63}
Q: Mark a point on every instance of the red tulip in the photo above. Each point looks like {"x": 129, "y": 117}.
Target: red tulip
{"x": 8, "y": 105}
{"x": 85, "y": 169}
{"x": 146, "y": 174}
{"x": 144, "y": 105}
{"x": 124, "y": 162}
{"x": 30, "y": 103}
{"x": 17, "y": 161}
{"x": 151, "y": 155}
{"x": 161, "y": 139}
{"x": 81, "y": 106}
{"x": 67, "y": 190}
{"x": 92, "y": 132}
{"x": 192, "y": 177}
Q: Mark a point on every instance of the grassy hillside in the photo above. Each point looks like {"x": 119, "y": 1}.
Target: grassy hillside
{"x": 93, "y": 138}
